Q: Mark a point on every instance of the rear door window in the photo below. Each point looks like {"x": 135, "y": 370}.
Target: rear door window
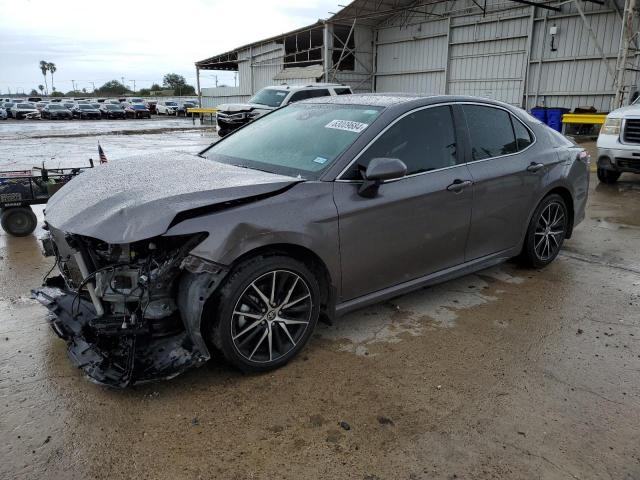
{"x": 343, "y": 91}
{"x": 490, "y": 131}
{"x": 523, "y": 136}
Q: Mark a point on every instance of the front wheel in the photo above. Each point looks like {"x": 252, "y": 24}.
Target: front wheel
{"x": 265, "y": 312}
{"x": 608, "y": 176}
{"x": 18, "y": 221}
{"x": 546, "y": 233}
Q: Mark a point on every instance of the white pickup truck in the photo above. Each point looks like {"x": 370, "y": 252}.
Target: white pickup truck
{"x": 619, "y": 143}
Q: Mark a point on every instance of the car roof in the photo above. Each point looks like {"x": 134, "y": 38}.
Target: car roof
{"x": 394, "y": 99}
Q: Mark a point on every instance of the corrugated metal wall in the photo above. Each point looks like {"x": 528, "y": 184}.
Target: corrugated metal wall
{"x": 504, "y": 55}
{"x": 575, "y": 74}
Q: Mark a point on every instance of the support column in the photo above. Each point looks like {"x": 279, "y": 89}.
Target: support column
{"x": 198, "y": 86}
{"x": 326, "y": 58}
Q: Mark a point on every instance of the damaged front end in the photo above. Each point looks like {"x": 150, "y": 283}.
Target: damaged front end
{"x": 130, "y": 313}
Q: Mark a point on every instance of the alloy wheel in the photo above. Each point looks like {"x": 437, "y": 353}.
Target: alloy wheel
{"x": 550, "y": 231}
{"x": 271, "y": 316}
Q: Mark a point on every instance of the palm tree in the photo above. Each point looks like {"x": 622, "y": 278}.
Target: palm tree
{"x": 44, "y": 67}
{"x": 52, "y": 68}
{"x": 41, "y": 88}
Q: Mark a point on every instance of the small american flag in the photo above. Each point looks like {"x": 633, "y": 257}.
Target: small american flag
{"x": 103, "y": 157}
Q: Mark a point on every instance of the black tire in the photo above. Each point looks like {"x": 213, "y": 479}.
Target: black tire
{"x": 608, "y": 176}
{"x": 542, "y": 245}
{"x": 272, "y": 341}
{"x": 18, "y": 221}
{"x": 223, "y": 132}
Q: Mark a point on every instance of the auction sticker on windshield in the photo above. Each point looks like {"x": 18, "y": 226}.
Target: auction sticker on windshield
{"x": 347, "y": 125}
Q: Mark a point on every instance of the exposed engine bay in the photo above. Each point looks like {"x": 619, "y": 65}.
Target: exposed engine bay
{"x": 129, "y": 313}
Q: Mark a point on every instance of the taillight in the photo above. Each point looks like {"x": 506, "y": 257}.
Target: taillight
{"x": 585, "y": 157}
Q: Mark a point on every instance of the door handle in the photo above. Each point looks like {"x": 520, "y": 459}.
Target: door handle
{"x": 534, "y": 167}
{"x": 459, "y": 185}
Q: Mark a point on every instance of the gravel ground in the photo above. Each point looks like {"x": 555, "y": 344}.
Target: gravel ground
{"x": 507, "y": 373}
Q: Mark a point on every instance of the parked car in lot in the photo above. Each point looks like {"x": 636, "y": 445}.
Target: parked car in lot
{"x": 55, "y": 111}
{"x": 68, "y": 105}
{"x": 151, "y": 105}
{"x": 3, "y": 114}
{"x": 320, "y": 207}
{"x": 137, "y": 110}
{"x": 619, "y": 143}
{"x": 233, "y": 116}
{"x": 167, "y": 108}
{"x": 7, "y": 107}
{"x": 186, "y": 105}
{"x": 86, "y": 111}
{"x": 109, "y": 110}
{"x": 40, "y": 105}
{"x": 24, "y": 110}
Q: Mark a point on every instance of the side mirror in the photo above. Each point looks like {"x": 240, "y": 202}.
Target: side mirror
{"x": 378, "y": 170}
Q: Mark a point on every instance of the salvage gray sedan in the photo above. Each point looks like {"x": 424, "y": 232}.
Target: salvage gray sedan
{"x": 313, "y": 210}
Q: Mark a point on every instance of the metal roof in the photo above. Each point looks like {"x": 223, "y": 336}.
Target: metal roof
{"x": 366, "y": 12}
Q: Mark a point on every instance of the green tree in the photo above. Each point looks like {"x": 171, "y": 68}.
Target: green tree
{"x": 173, "y": 80}
{"x": 33, "y": 92}
{"x": 41, "y": 88}
{"x": 57, "y": 94}
{"x": 113, "y": 87}
{"x": 44, "y": 68}
{"x": 155, "y": 87}
{"x": 178, "y": 84}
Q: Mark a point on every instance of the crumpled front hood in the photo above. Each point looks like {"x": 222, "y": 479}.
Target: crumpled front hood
{"x": 242, "y": 107}
{"x": 137, "y": 198}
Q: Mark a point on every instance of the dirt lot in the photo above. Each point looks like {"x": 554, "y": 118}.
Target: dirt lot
{"x": 509, "y": 373}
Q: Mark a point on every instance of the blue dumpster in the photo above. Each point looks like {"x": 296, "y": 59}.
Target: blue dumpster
{"x": 540, "y": 113}
{"x": 554, "y": 117}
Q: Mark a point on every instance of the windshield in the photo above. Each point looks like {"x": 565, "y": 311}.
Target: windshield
{"x": 269, "y": 96}
{"x": 171, "y": 104}
{"x": 84, "y": 106}
{"x": 299, "y": 140}
{"x": 139, "y": 107}
{"x": 56, "y": 107}
{"x": 112, "y": 107}
{"x": 25, "y": 105}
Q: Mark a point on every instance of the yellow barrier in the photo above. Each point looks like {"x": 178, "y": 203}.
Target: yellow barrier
{"x": 201, "y": 111}
{"x": 584, "y": 118}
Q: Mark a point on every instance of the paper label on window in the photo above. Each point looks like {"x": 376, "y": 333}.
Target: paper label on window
{"x": 320, "y": 160}
{"x": 281, "y": 94}
{"x": 347, "y": 125}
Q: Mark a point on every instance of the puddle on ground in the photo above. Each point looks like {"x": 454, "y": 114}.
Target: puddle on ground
{"x": 388, "y": 322}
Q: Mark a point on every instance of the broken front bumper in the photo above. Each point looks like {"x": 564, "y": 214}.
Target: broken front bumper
{"x": 117, "y": 354}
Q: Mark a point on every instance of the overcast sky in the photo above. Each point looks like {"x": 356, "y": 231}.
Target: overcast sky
{"x": 96, "y": 41}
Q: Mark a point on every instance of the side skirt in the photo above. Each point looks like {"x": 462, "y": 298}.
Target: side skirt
{"x": 427, "y": 280}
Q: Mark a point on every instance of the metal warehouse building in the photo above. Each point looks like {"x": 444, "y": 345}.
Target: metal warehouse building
{"x": 567, "y": 54}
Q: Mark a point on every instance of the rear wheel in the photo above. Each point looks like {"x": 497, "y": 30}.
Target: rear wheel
{"x": 546, "y": 233}
{"x": 608, "y": 176}
{"x": 265, "y": 312}
{"x": 18, "y": 221}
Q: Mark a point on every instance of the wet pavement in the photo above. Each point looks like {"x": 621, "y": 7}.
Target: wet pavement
{"x": 507, "y": 373}
{"x": 24, "y": 144}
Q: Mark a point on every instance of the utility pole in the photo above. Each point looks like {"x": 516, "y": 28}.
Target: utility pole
{"x": 94, "y": 86}
{"x": 134, "y": 85}
{"x": 73, "y": 85}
